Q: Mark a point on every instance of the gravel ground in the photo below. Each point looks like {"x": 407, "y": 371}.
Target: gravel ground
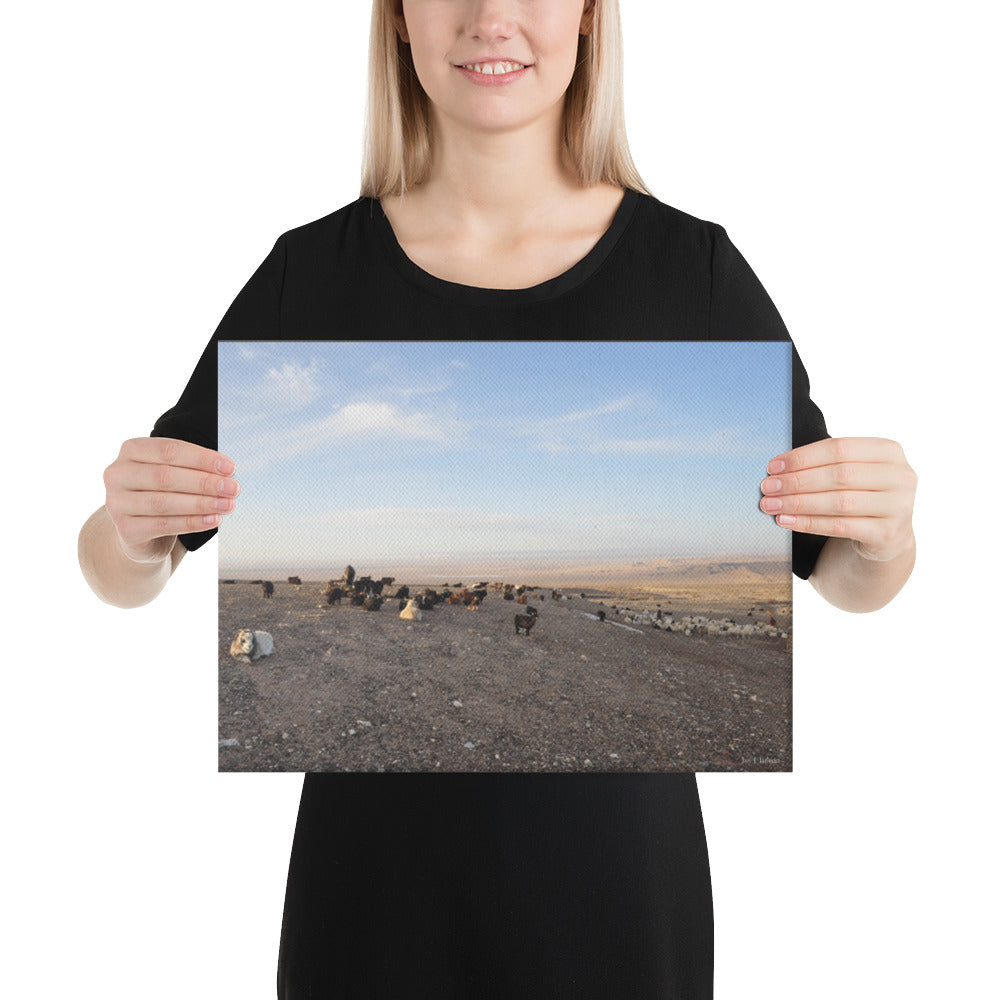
{"x": 351, "y": 690}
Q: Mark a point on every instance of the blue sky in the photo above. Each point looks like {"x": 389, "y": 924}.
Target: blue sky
{"x": 368, "y": 451}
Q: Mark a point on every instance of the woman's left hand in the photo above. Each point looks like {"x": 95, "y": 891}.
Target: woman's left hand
{"x": 852, "y": 487}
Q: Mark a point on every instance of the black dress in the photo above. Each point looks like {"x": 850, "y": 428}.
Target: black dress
{"x": 482, "y": 886}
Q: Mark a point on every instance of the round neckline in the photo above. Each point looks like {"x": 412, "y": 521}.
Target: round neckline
{"x": 569, "y": 279}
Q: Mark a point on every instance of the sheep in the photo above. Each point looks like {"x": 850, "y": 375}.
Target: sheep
{"x": 348, "y": 576}
{"x": 372, "y": 603}
{"x": 333, "y": 595}
{"x": 403, "y": 591}
{"x": 267, "y": 588}
{"x": 524, "y": 622}
{"x": 295, "y": 580}
{"x": 250, "y": 645}
{"x": 411, "y": 612}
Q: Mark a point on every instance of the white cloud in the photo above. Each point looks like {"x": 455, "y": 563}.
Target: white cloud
{"x": 633, "y": 401}
{"x": 382, "y": 419}
{"x": 290, "y": 386}
{"x": 615, "y": 406}
{"x": 248, "y": 353}
{"x": 381, "y": 366}
{"x": 263, "y": 392}
{"x": 450, "y": 520}
{"x": 727, "y": 441}
{"x": 427, "y": 389}
{"x": 369, "y": 422}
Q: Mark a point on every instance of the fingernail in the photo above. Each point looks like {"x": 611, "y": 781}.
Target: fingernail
{"x": 786, "y": 519}
{"x": 228, "y": 487}
{"x": 770, "y": 485}
{"x": 771, "y": 504}
{"x": 225, "y": 466}
{"x": 775, "y": 466}
{"x": 211, "y": 519}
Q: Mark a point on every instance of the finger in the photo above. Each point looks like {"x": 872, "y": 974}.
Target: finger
{"x": 136, "y": 531}
{"x": 841, "y": 503}
{"x": 183, "y": 454}
{"x": 832, "y": 451}
{"x": 863, "y": 529}
{"x": 163, "y": 504}
{"x": 141, "y": 477}
{"x": 849, "y": 476}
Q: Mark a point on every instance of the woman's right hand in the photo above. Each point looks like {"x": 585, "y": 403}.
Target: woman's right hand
{"x": 159, "y": 488}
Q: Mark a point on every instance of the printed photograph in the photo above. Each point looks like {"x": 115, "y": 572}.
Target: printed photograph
{"x": 504, "y": 556}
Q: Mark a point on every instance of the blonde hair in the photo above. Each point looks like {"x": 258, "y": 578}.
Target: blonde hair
{"x": 397, "y": 139}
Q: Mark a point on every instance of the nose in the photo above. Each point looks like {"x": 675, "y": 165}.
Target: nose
{"x": 490, "y": 19}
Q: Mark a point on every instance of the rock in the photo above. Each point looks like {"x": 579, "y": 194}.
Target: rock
{"x": 457, "y": 703}
{"x": 470, "y": 746}
{"x": 228, "y": 743}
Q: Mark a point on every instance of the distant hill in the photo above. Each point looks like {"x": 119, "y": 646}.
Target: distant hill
{"x": 734, "y": 572}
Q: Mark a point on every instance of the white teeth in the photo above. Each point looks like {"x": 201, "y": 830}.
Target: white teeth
{"x": 495, "y": 69}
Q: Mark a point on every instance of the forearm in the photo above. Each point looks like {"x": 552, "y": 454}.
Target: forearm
{"x": 852, "y": 583}
{"x": 112, "y": 576}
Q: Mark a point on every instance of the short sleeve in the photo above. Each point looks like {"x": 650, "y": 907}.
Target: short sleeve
{"x": 741, "y": 309}
{"x": 255, "y": 314}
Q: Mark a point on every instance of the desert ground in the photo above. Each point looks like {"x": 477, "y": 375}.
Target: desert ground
{"x": 352, "y": 690}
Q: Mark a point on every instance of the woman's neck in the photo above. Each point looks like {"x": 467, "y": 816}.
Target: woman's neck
{"x": 496, "y": 183}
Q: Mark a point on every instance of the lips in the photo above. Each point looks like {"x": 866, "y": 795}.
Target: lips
{"x": 492, "y": 59}
{"x": 495, "y": 73}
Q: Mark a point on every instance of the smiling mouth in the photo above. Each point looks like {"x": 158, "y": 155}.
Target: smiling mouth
{"x": 493, "y": 68}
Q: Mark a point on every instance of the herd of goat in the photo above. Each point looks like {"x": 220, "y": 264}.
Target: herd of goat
{"x": 371, "y": 594}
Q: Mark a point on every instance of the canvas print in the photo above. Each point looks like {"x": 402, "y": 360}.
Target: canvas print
{"x": 504, "y": 556}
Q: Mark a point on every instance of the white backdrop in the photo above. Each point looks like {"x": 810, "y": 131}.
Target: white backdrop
{"x": 155, "y": 152}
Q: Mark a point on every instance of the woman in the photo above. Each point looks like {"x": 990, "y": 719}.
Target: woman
{"x": 496, "y": 202}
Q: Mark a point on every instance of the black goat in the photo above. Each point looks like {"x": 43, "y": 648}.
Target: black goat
{"x": 524, "y": 622}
